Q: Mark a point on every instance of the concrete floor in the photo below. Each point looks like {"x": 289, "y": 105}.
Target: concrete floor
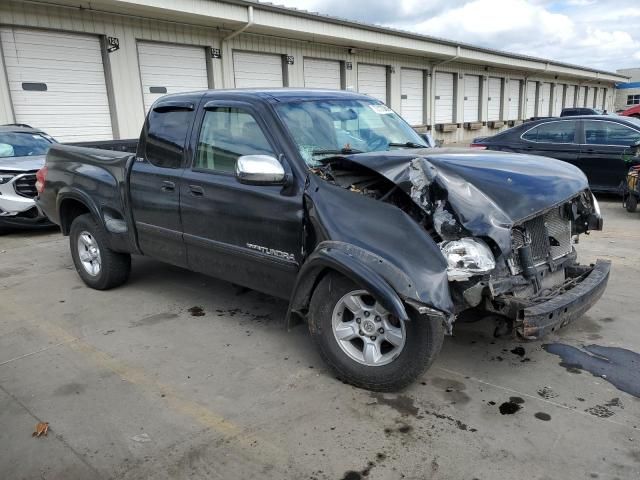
{"x": 134, "y": 386}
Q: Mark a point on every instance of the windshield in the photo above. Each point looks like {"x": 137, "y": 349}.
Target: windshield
{"x": 23, "y": 144}
{"x": 323, "y": 128}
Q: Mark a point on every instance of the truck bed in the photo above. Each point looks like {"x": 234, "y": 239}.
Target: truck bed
{"x": 96, "y": 178}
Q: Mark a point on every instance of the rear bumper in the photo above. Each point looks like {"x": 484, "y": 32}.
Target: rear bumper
{"x": 538, "y": 320}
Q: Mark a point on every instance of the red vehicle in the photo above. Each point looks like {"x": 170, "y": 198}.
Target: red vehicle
{"x": 632, "y": 112}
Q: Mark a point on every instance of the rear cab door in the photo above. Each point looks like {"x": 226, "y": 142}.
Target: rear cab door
{"x": 605, "y": 146}
{"x": 246, "y": 234}
{"x": 155, "y": 179}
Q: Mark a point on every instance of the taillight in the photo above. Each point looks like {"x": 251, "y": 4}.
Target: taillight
{"x": 41, "y": 178}
{"x": 478, "y": 145}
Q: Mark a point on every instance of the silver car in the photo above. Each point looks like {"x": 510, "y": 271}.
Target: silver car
{"x": 22, "y": 154}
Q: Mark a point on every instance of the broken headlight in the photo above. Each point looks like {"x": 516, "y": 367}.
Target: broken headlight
{"x": 467, "y": 257}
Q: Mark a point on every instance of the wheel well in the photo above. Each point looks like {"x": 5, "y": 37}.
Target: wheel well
{"x": 69, "y": 210}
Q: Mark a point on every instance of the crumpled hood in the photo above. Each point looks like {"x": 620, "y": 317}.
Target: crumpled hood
{"x": 22, "y": 164}
{"x": 489, "y": 191}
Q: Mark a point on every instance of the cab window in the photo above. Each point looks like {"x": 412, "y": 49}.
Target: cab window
{"x": 226, "y": 134}
{"x": 166, "y": 136}
{"x": 609, "y": 133}
{"x": 552, "y": 132}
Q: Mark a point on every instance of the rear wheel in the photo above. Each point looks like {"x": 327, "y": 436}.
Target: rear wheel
{"x": 631, "y": 203}
{"x": 363, "y": 343}
{"x": 98, "y": 266}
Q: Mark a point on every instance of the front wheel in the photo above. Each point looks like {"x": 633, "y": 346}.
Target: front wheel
{"x": 363, "y": 343}
{"x": 98, "y": 266}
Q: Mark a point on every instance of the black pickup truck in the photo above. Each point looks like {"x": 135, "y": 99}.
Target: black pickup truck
{"x": 330, "y": 200}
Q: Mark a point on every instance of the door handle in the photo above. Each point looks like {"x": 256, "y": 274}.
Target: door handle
{"x": 196, "y": 190}
{"x": 168, "y": 186}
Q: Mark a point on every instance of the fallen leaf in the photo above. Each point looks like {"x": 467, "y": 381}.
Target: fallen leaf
{"x": 42, "y": 428}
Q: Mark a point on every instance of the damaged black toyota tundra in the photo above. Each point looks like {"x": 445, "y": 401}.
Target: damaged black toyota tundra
{"x": 330, "y": 200}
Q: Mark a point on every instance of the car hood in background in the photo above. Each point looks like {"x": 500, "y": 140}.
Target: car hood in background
{"x": 22, "y": 164}
{"x": 489, "y": 191}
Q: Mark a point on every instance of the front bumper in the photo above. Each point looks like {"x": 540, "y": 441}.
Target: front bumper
{"x": 534, "y": 322}
{"x": 17, "y": 207}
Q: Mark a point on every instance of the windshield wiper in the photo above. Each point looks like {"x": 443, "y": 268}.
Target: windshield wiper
{"x": 407, "y": 145}
{"x": 344, "y": 151}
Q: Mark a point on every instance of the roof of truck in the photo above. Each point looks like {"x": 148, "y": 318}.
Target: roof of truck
{"x": 276, "y": 94}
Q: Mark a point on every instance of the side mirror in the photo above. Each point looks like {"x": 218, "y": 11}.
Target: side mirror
{"x": 259, "y": 170}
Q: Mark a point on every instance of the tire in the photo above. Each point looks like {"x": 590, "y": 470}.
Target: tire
{"x": 110, "y": 269}
{"x": 423, "y": 339}
{"x": 631, "y": 203}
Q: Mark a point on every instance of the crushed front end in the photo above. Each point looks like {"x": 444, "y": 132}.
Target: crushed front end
{"x": 538, "y": 284}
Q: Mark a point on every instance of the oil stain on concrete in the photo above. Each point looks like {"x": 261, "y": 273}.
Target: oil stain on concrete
{"x": 618, "y": 366}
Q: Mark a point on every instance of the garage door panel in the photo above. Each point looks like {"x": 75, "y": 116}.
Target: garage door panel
{"x": 545, "y": 99}
{"x": 320, "y": 73}
{"x": 54, "y": 88}
{"x": 257, "y": 70}
{"x": 494, "y": 99}
{"x": 186, "y": 81}
{"x": 48, "y": 76}
{"x": 581, "y": 97}
{"x": 471, "y": 98}
{"x": 372, "y": 81}
{"x": 515, "y": 87}
{"x": 444, "y": 97}
{"x": 558, "y": 95}
{"x": 83, "y": 58}
{"x": 412, "y": 92}
{"x": 176, "y": 68}
{"x": 75, "y": 106}
{"x": 569, "y": 96}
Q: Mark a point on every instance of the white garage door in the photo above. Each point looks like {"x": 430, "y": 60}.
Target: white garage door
{"x": 322, "y": 73}
{"x": 166, "y": 68}
{"x": 558, "y": 94}
{"x": 590, "y": 97}
{"x": 412, "y": 96}
{"x": 257, "y": 70}
{"x": 444, "y": 97}
{"x": 494, "y": 99}
{"x": 581, "y": 97}
{"x": 471, "y": 98}
{"x": 57, "y": 83}
{"x": 599, "y": 97}
{"x": 545, "y": 100}
{"x": 372, "y": 81}
{"x": 569, "y": 96}
{"x": 531, "y": 99}
{"x": 515, "y": 87}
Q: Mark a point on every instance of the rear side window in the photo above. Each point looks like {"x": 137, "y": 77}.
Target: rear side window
{"x": 609, "y": 133}
{"x": 166, "y": 137}
{"x": 226, "y": 134}
{"x": 552, "y": 132}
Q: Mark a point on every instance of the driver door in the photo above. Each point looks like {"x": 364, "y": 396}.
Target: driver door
{"x": 250, "y": 235}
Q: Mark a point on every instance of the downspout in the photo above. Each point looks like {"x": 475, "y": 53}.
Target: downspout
{"x": 232, "y": 35}
{"x": 433, "y": 82}
{"x": 244, "y": 27}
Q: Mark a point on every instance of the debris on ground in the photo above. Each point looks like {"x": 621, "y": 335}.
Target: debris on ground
{"x": 141, "y": 438}
{"x": 42, "y": 428}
